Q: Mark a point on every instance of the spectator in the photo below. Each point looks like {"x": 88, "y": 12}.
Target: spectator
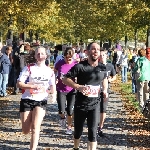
{"x": 82, "y": 54}
{"x": 60, "y": 53}
{"x": 114, "y": 58}
{"x": 119, "y": 52}
{"x": 133, "y": 61}
{"x": 124, "y": 65}
{"x": 142, "y": 76}
{"x": 75, "y": 56}
{"x": 4, "y": 71}
{"x": 48, "y": 55}
{"x": 16, "y": 64}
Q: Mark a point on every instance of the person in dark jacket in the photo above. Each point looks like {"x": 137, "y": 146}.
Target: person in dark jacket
{"x": 23, "y": 56}
{"x": 16, "y": 65}
{"x": 4, "y": 71}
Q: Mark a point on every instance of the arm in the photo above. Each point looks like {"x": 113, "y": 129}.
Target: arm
{"x": 112, "y": 75}
{"x": 6, "y": 61}
{"x": 52, "y": 89}
{"x": 22, "y": 85}
{"x": 72, "y": 74}
{"x": 22, "y": 78}
{"x": 105, "y": 85}
{"x": 136, "y": 66}
{"x": 70, "y": 83}
{"x": 112, "y": 78}
{"x": 105, "y": 89}
{"x": 52, "y": 84}
{"x": 120, "y": 59}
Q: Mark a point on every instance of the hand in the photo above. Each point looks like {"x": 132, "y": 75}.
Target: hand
{"x": 105, "y": 94}
{"x": 109, "y": 79}
{"x": 81, "y": 88}
{"x": 36, "y": 87}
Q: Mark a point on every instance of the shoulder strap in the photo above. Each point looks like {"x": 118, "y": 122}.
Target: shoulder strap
{"x": 29, "y": 67}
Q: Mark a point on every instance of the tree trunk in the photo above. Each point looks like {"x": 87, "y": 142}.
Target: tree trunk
{"x": 109, "y": 43}
{"x": 148, "y": 38}
{"x": 10, "y": 34}
{"x": 126, "y": 40}
{"x": 101, "y": 43}
{"x": 136, "y": 37}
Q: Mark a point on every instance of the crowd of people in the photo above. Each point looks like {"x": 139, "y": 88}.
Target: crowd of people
{"x": 80, "y": 80}
{"x": 134, "y": 64}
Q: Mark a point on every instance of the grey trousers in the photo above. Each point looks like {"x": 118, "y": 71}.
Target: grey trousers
{"x": 143, "y": 94}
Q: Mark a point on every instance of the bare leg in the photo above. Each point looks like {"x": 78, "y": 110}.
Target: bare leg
{"x": 102, "y": 119}
{"x": 69, "y": 121}
{"x": 26, "y": 120}
{"x": 92, "y": 146}
{"x": 37, "y": 118}
{"x": 76, "y": 143}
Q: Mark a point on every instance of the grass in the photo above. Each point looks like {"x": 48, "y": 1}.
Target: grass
{"x": 126, "y": 90}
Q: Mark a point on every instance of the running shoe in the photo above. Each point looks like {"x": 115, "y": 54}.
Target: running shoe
{"x": 62, "y": 122}
{"x": 100, "y": 133}
{"x": 68, "y": 131}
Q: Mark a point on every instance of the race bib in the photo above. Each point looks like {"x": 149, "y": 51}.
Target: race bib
{"x": 35, "y": 93}
{"x": 92, "y": 91}
{"x": 42, "y": 90}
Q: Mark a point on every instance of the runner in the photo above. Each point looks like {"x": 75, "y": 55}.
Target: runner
{"x": 65, "y": 93}
{"x": 90, "y": 73}
{"x": 34, "y": 98}
{"x": 111, "y": 73}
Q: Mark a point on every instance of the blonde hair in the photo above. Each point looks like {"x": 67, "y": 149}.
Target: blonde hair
{"x": 40, "y": 47}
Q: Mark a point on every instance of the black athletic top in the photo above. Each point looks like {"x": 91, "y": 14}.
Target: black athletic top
{"x": 87, "y": 75}
{"x": 110, "y": 70}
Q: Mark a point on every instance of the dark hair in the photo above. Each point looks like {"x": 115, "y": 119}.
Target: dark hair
{"x": 68, "y": 51}
{"x": 7, "y": 48}
{"x": 58, "y": 47}
{"x": 142, "y": 52}
{"x": 103, "y": 50}
{"x": 89, "y": 45}
{"x": 27, "y": 47}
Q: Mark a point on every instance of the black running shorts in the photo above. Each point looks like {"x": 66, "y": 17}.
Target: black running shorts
{"x": 29, "y": 105}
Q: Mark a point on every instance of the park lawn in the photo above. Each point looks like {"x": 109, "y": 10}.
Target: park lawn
{"x": 126, "y": 92}
{"x": 137, "y": 126}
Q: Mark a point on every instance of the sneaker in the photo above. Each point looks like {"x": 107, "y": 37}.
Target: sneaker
{"x": 4, "y": 95}
{"x": 75, "y": 149}
{"x": 68, "y": 131}
{"x": 62, "y": 123}
{"x": 100, "y": 133}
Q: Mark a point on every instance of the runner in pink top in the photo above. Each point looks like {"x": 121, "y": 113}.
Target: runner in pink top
{"x": 65, "y": 93}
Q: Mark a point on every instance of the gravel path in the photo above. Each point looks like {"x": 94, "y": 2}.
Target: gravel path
{"x": 52, "y": 136}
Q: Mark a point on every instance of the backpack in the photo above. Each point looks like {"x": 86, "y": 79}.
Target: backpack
{"x": 146, "y": 109}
